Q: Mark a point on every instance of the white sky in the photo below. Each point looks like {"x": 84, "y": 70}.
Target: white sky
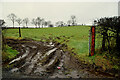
{"x": 85, "y": 12}
{"x": 59, "y": 0}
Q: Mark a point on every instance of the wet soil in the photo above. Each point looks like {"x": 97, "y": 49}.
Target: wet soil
{"x": 37, "y": 59}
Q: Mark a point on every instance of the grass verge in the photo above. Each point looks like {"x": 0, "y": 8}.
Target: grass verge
{"x": 8, "y": 53}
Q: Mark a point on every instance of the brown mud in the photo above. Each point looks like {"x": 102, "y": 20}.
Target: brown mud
{"x": 37, "y": 59}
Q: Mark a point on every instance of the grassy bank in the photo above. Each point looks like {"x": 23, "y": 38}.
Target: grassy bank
{"x": 8, "y": 53}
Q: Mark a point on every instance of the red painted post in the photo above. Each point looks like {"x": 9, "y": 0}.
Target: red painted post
{"x": 93, "y": 41}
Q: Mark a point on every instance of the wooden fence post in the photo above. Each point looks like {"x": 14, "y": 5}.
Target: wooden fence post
{"x": 19, "y": 32}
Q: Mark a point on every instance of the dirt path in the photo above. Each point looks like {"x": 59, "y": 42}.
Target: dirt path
{"x": 42, "y": 59}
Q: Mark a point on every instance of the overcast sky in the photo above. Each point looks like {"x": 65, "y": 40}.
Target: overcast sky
{"x": 85, "y": 12}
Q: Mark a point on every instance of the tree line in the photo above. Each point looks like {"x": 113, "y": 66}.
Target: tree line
{"x": 109, "y": 29}
{"x": 40, "y": 22}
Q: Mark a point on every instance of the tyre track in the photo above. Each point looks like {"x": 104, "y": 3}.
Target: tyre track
{"x": 43, "y": 59}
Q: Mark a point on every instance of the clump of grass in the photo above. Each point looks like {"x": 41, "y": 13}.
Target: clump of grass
{"x": 8, "y": 53}
{"x": 100, "y": 61}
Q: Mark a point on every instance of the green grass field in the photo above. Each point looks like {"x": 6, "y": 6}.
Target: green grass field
{"x": 79, "y": 39}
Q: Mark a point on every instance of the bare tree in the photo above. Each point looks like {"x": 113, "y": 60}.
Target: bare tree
{"x": 59, "y": 23}
{"x": 12, "y": 17}
{"x": 69, "y": 22}
{"x": 34, "y": 21}
{"x": 48, "y": 23}
{"x": 42, "y": 22}
{"x": 26, "y": 21}
{"x": 73, "y": 19}
{"x": 19, "y": 21}
{"x": 39, "y": 20}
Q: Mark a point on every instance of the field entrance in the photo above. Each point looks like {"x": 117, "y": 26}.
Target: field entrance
{"x": 48, "y": 52}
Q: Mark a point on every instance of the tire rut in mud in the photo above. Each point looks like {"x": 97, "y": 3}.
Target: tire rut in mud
{"x": 42, "y": 59}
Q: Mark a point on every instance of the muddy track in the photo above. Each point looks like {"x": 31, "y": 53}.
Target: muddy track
{"x": 38, "y": 59}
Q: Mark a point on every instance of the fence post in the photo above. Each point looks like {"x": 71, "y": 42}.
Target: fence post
{"x": 19, "y": 32}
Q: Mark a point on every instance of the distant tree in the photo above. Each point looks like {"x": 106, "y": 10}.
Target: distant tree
{"x": 12, "y": 17}
{"x": 45, "y": 23}
{"x": 42, "y": 22}
{"x": 19, "y": 21}
{"x": 39, "y": 20}
{"x": 59, "y": 23}
{"x": 64, "y": 24}
{"x": 51, "y": 25}
{"x": 73, "y": 20}
{"x": 48, "y": 23}
{"x": 69, "y": 22}
{"x": 26, "y": 21}
{"x": 34, "y": 21}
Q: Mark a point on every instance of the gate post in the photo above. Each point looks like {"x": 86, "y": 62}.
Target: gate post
{"x": 93, "y": 41}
